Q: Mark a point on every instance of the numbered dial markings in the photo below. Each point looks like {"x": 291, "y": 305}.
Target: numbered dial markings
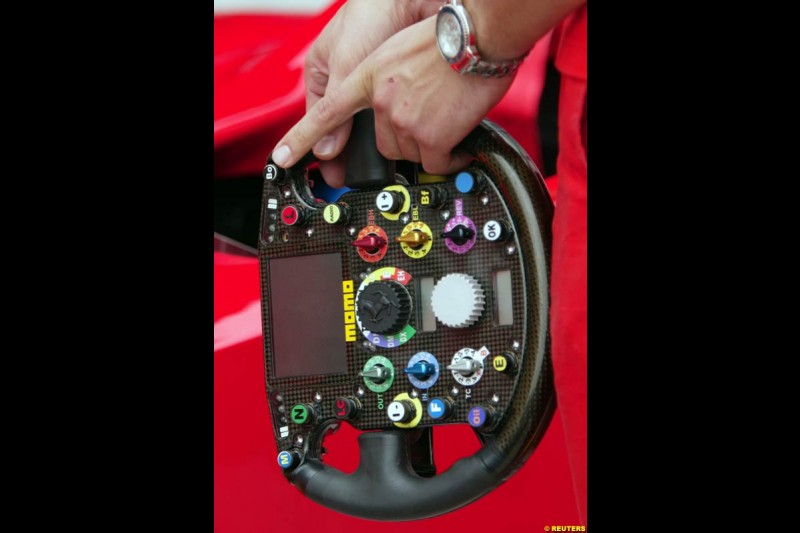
{"x": 467, "y": 365}
{"x": 416, "y": 239}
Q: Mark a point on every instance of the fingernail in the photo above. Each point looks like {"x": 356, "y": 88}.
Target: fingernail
{"x": 281, "y": 155}
{"x": 325, "y": 145}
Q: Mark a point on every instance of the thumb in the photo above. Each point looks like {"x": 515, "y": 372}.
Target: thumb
{"x": 329, "y": 112}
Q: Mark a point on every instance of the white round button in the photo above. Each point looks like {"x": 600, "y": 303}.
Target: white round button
{"x": 396, "y": 411}
{"x": 493, "y": 231}
{"x": 385, "y": 202}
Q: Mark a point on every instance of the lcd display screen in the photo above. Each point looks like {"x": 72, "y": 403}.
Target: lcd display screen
{"x": 503, "y": 298}
{"x": 308, "y": 330}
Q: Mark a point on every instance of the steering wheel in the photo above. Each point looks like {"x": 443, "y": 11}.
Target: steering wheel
{"x": 398, "y": 462}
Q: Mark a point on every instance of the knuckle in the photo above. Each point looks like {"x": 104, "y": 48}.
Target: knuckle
{"x": 428, "y": 140}
{"x": 400, "y": 122}
{"x": 386, "y": 149}
{"x": 435, "y": 166}
{"x": 324, "y": 110}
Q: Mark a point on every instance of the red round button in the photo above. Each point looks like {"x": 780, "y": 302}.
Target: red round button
{"x": 290, "y": 215}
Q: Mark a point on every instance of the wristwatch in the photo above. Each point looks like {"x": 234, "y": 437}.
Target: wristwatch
{"x": 456, "y": 39}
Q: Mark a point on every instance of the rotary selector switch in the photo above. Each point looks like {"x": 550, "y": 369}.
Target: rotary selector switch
{"x": 458, "y": 300}
{"x": 422, "y": 370}
{"x": 416, "y": 239}
{"x": 371, "y": 243}
{"x": 378, "y": 374}
{"x": 459, "y": 234}
{"x": 383, "y": 307}
{"x": 467, "y": 365}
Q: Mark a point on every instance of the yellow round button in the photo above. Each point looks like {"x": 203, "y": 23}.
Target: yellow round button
{"x": 332, "y": 214}
{"x": 499, "y": 363}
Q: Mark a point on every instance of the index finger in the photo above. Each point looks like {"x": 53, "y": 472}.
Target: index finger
{"x": 329, "y": 112}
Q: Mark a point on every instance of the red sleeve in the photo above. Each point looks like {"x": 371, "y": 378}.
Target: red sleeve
{"x": 568, "y": 318}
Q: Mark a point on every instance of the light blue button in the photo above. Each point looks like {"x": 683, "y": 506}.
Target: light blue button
{"x": 436, "y": 408}
{"x": 465, "y": 182}
{"x": 285, "y": 460}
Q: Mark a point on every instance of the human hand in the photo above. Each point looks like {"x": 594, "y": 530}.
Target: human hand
{"x": 423, "y": 109}
{"x": 357, "y": 29}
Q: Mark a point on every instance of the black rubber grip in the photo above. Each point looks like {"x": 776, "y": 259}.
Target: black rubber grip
{"x": 365, "y": 167}
{"x": 385, "y": 487}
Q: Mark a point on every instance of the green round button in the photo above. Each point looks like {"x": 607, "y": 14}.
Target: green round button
{"x": 300, "y": 414}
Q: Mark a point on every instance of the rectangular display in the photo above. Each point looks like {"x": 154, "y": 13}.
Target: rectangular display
{"x": 306, "y": 304}
{"x": 503, "y": 298}
{"x": 426, "y": 290}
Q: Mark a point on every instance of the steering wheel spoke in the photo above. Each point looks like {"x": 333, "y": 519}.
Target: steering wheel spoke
{"x": 420, "y": 450}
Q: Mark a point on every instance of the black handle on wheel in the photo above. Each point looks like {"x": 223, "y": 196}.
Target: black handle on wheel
{"x": 365, "y": 167}
{"x": 385, "y": 486}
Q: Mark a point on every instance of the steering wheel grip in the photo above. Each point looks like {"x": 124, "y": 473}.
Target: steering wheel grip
{"x": 385, "y": 472}
{"x": 385, "y": 486}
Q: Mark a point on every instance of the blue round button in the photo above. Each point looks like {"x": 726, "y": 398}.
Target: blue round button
{"x": 285, "y": 460}
{"x": 476, "y": 416}
{"x": 436, "y": 408}
{"x": 465, "y": 182}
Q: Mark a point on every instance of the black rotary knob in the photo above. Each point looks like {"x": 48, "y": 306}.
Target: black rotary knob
{"x": 384, "y": 307}
{"x": 460, "y": 234}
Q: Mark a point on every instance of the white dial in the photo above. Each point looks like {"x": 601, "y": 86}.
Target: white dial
{"x": 458, "y": 300}
{"x": 448, "y": 35}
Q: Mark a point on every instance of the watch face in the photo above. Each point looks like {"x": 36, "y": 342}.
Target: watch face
{"x": 448, "y": 34}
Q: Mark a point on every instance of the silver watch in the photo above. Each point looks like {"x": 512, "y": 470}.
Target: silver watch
{"x": 455, "y": 36}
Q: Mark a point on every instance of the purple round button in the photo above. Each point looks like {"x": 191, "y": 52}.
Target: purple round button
{"x": 476, "y": 416}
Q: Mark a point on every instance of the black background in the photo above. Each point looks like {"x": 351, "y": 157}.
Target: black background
{"x": 117, "y": 393}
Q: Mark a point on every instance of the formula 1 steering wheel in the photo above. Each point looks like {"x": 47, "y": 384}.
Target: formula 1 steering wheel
{"x": 398, "y": 461}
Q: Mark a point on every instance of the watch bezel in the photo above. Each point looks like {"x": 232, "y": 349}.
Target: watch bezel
{"x": 467, "y": 53}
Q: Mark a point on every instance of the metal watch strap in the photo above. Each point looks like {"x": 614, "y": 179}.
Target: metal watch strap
{"x": 495, "y": 70}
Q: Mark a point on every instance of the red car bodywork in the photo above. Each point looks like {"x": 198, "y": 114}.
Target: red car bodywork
{"x": 258, "y": 96}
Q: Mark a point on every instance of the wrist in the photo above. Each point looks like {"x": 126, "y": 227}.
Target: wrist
{"x": 510, "y": 28}
{"x": 501, "y": 34}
